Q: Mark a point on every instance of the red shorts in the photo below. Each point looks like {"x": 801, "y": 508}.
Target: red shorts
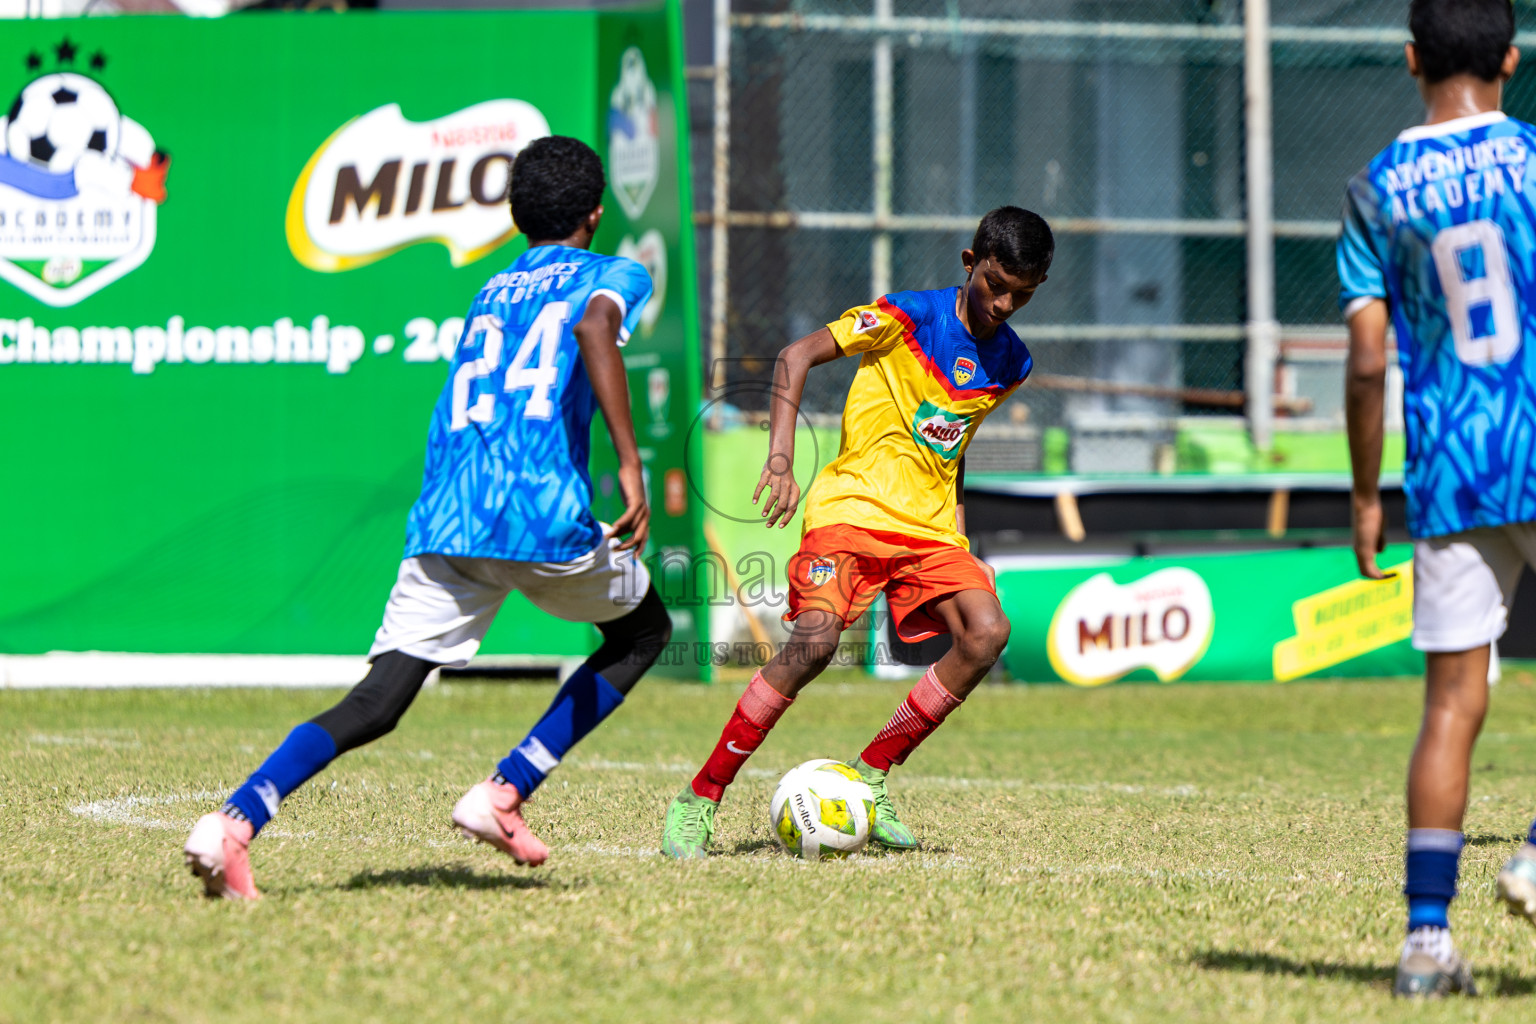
{"x": 839, "y": 569}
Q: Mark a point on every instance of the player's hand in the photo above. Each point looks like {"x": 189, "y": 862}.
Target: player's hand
{"x": 1370, "y": 534}
{"x": 990, "y": 572}
{"x": 778, "y": 478}
{"x": 636, "y": 520}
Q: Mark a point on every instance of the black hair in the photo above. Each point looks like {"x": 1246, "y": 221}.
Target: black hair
{"x": 1017, "y": 240}
{"x": 556, "y": 182}
{"x": 1456, "y": 37}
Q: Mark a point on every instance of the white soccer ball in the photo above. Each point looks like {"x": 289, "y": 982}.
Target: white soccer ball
{"x": 59, "y": 118}
{"x": 822, "y": 808}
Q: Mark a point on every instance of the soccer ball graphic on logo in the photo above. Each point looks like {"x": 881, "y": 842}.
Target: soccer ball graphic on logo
{"x": 86, "y": 178}
{"x": 822, "y": 809}
{"x": 57, "y": 119}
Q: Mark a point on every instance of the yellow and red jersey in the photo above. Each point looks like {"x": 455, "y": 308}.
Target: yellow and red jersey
{"x": 923, "y": 386}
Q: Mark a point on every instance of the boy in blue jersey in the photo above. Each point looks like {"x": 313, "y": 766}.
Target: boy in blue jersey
{"x": 1440, "y": 238}
{"x": 504, "y": 506}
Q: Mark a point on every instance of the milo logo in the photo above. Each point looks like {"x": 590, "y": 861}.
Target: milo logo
{"x": 939, "y": 429}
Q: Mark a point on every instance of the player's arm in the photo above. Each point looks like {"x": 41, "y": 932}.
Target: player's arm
{"x": 597, "y": 336}
{"x": 1365, "y": 390}
{"x": 789, "y": 372}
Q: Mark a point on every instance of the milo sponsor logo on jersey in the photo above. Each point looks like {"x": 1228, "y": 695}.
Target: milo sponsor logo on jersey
{"x": 939, "y": 429}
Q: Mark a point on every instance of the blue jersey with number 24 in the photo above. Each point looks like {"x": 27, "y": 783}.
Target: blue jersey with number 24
{"x": 506, "y": 473}
{"x": 1441, "y": 225}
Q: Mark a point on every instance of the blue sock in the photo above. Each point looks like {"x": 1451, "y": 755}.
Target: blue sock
{"x": 1530, "y": 836}
{"x": 307, "y": 749}
{"x": 585, "y": 700}
{"x": 1434, "y": 856}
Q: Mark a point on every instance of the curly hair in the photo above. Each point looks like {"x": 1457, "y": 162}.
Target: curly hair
{"x": 556, "y": 182}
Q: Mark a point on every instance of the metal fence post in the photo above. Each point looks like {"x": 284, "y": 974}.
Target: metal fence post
{"x": 719, "y": 235}
{"x": 880, "y": 244}
{"x": 1263, "y": 332}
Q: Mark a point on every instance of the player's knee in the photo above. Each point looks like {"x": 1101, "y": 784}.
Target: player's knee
{"x": 374, "y": 706}
{"x": 652, "y": 630}
{"x": 633, "y": 642}
{"x": 982, "y": 641}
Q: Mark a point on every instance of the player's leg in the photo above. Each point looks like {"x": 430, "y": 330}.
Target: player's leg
{"x": 1461, "y": 588}
{"x": 611, "y": 589}
{"x": 1517, "y": 879}
{"x": 435, "y": 615}
{"x": 975, "y": 620}
{"x": 491, "y": 810}
{"x": 217, "y": 850}
{"x": 690, "y": 819}
{"x": 831, "y": 583}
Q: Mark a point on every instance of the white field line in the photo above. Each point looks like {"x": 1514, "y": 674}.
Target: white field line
{"x": 85, "y": 740}
{"x": 131, "y": 811}
{"x": 126, "y": 810}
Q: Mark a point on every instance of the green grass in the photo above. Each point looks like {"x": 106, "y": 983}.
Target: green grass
{"x": 1135, "y": 853}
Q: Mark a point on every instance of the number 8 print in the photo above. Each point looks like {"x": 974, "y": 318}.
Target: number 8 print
{"x": 1494, "y": 289}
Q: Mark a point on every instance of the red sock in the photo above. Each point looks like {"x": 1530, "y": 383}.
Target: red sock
{"x": 925, "y": 707}
{"x": 756, "y": 713}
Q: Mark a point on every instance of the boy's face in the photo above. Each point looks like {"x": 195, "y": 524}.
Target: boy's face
{"x": 993, "y": 294}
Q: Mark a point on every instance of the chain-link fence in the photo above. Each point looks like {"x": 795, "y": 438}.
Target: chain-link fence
{"x": 866, "y": 137}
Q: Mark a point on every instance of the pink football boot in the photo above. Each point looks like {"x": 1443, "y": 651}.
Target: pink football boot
{"x": 490, "y": 813}
{"x": 217, "y": 851}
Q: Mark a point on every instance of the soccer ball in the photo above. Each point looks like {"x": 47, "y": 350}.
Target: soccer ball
{"x": 57, "y": 119}
{"x": 821, "y": 809}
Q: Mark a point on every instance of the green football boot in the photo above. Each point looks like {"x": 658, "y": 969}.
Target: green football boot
{"x": 690, "y": 826}
{"x": 1517, "y": 883}
{"x": 887, "y": 829}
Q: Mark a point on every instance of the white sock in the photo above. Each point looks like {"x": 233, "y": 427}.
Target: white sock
{"x": 1432, "y": 940}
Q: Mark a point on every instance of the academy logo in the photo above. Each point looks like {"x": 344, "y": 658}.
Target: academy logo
{"x": 80, "y": 185}
{"x": 381, "y": 183}
{"x": 1103, "y": 630}
{"x": 868, "y": 321}
{"x": 964, "y": 370}
{"x": 820, "y": 571}
{"x": 634, "y": 135}
{"x": 939, "y": 430}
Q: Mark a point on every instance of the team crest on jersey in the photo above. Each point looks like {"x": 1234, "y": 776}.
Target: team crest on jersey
{"x": 80, "y": 186}
{"x": 964, "y": 370}
{"x": 821, "y": 570}
{"x": 868, "y": 321}
{"x": 939, "y": 430}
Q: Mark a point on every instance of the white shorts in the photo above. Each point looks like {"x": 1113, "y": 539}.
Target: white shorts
{"x": 441, "y": 605}
{"x": 1463, "y": 585}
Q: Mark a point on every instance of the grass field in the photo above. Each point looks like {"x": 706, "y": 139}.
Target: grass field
{"x": 1134, "y": 853}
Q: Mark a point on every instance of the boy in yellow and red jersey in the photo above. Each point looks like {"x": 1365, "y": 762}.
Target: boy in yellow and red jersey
{"x": 888, "y": 513}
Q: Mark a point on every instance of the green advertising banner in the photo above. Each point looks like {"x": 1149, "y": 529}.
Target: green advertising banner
{"x": 227, "y": 295}
{"x": 1274, "y": 615}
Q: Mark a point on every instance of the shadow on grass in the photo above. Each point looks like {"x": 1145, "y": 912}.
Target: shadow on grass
{"x": 1266, "y": 963}
{"x": 1498, "y": 983}
{"x": 1489, "y": 839}
{"x": 441, "y": 876}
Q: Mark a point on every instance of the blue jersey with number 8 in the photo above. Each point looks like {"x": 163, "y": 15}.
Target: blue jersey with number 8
{"x": 1441, "y": 225}
{"x": 506, "y": 473}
